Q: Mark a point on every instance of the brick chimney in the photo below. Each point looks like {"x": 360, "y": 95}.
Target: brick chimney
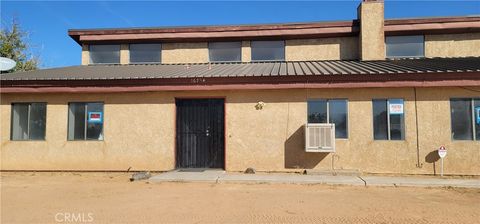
{"x": 372, "y": 36}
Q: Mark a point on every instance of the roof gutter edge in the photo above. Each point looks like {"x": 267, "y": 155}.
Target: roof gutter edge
{"x": 470, "y": 79}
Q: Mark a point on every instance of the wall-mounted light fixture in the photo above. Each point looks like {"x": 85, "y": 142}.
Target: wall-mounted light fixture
{"x": 259, "y": 105}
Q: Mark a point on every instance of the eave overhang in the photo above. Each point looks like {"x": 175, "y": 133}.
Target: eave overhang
{"x": 440, "y": 25}
{"x": 450, "y": 79}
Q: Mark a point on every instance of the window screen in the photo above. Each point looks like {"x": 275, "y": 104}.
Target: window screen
{"x": 337, "y": 111}
{"x": 28, "y": 121}
{"x": 145, "y": 53}
{"x": 330, "y": 111}
{"x": 388, "y": 119}
{"x": 85, "y": 121}
{"x": 104, "y": 54}
{"x": 268, "y": 50}
{"x": 225, "y": 51}
{"x": 465, "y": 118}
{"x": 380, "y": 125}
{"x": 404, "y": 46}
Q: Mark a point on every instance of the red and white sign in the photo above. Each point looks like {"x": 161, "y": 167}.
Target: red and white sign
{"x": 442, "y": 151}
{"x": 396, "y": 108}
{"x": 94, "y": 117}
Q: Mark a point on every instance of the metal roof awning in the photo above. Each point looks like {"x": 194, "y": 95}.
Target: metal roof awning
{"x": 250, "y": 69}
{"x": 444, "y": 71}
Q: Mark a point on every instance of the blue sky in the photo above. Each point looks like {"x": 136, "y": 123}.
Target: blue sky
{"x": 48, "y": 21}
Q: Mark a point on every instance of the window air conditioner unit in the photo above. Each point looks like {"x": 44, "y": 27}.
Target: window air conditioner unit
{"x": 320, "y": 137}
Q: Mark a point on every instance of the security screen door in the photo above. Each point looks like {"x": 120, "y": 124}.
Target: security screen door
{"x": 200, "y": 133}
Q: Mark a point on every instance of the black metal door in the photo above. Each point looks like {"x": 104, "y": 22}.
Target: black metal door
{"x": 200, "y": 133}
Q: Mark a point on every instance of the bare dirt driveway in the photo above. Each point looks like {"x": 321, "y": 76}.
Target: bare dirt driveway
{"x": 111, "y": 198}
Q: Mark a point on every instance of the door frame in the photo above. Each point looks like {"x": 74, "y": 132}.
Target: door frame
{"x": 224, "y": 98}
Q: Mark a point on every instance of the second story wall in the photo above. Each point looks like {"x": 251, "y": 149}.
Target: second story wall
{"x": 337, "y": 48}
{"x": 343, "y": 48}
{"x": 85, "y": 54}
{"x": 185, "y": 52}
{"x": 452, "y": 45}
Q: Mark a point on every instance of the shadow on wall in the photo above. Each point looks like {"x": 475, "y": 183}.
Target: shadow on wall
{"x": 432, "y": 157}
{"x": 295, "y": 155}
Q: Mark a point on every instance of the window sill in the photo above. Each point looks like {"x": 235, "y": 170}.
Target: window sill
{"x": 146, "y": 63}
{"x": 404, "y": 57}
{"x": 93, "y": 64}
{"x": 28, "y": 140}
{"x": 386, "y": 140}
{"x": 279, "y": 61}
{"x": 86, "y": 140}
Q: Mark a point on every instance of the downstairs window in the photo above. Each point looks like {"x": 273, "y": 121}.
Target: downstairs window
{"x": 85, "y": 121}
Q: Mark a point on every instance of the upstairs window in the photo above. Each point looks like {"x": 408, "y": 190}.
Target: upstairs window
{"x": 104, "y": 54}
{"x": 145, "y": 53}
{"x": 28, "y": 121}
{"x": 330, "y": 111}
{"x": 268, "y": 50}
{"x": 465, "y": 118}
{"x": 225, "y": 51}
{"x": 388, "y": 119}
{"x": 85, "y": 121}
{"x": 405, "y": 46}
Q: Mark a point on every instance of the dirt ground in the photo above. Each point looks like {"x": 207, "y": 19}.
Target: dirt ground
{"x": 111, "y": 198}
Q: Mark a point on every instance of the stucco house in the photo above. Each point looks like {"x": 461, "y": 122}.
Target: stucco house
{"x": 387, "y": 93}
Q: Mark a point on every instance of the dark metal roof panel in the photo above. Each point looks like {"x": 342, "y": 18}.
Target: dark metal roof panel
{"x": 274, "y": 68}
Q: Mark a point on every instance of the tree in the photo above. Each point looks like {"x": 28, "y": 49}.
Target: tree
{"x": 14, "y": 45}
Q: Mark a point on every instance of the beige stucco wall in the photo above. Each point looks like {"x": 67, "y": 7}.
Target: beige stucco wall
{"x": 372, "y": 36}
{"x": 185, "y": 52}
{"x": 452, "y": 45}
{"x": 128, "y": 125}
{"x": 246, "y": 51}
{"x": 139, "y": 133}
{"x": 85, "y": 54}
{"x": 341, "y": 48}
{"x": 124, "y": 54}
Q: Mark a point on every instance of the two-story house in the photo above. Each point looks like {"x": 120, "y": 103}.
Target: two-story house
{"x": 387, "y": 93}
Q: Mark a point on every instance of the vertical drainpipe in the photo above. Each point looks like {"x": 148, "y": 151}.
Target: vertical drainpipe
{"x": 416, "y": 129}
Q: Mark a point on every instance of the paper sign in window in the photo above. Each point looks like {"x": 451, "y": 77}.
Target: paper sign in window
{"x": 396, "y": 108}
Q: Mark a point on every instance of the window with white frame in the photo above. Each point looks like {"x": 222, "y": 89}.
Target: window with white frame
{"x": 85, "y": 121}
{"x": 225, "y": 51}
{"x": 104, "y": 54}
{"x": 268, "y": 50}
{"x": 465, "y": 118}
{"x": 28, "y": 121}
{"x": 405, "y": 46}
{"x": 388, "y": 119}
{"x": 330, "y": 111}
{"x": 145, "y": 53}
